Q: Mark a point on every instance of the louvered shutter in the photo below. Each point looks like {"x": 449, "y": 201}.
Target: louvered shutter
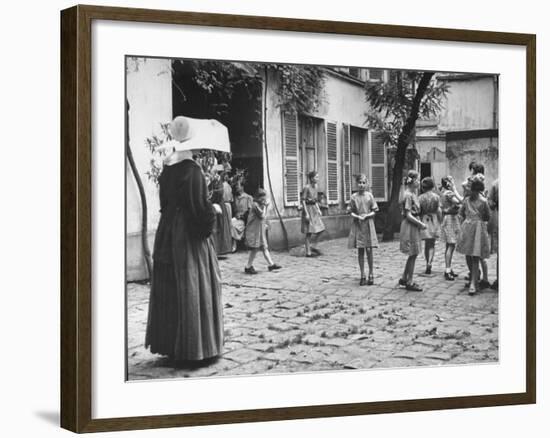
{"x": 346, "y": 173}
{"x": 378, "y": 167}
{"x": 290, "y": 153}
{"x": 332, "y": 164}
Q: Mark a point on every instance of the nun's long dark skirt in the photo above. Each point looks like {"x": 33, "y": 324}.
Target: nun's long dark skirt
{"x": 185, "y": 309}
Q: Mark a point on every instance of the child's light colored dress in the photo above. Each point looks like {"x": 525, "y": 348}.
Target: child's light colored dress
{"x": 362, "y": 233}
{"x": 429, "y": 215}
{"x": 450, "y": 226}
{"x": 256, "y": 228}
{"x": 474, "y": 238}
{"x": 241, "y": 206}
{"x": 410, "y": 242}
{"x": 315, "y": 224}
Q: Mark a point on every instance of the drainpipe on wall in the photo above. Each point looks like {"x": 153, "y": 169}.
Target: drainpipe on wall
{"x": 264, "y": 103}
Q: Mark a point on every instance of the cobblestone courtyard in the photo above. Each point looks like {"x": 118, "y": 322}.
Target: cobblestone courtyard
{"x": 312, "y": 315}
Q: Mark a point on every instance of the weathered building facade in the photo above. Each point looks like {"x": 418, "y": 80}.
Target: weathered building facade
{"x": 466, "y": 130}
{"x": 332, "y": 140}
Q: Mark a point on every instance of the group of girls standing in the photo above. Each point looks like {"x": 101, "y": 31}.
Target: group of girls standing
{"x": 467, "y": 223}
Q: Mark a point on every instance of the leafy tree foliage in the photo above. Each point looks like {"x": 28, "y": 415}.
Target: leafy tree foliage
{"x": 397, "y": 104}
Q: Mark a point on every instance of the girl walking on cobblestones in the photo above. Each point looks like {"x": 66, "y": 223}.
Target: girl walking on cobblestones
{"x": 256, "y": 233}
{"x": 409, "y": 236}
{"x": 430, "y": 215}
{"x": 474, "y": 239}
{"x": 362, "y": 236}
{"x": 312, "y": 224}
{"x": 450, "y": 227}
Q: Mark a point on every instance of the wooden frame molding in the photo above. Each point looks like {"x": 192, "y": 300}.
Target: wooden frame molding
{"x": 76, "y": 213}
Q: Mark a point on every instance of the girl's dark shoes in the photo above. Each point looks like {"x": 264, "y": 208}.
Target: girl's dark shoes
{"x": 484, "y": 284}
{"x": 449, "y": 276}
{"x": 494, "y": 286}
{"x": 402, "y": 282}
{"x": 413, "y": 287}
{"x": 250, "y": 270}
{"x": 363, "y": 281}
{"x": 370, "y": 281}
{"x": 428, "y": 269}
{"x": 274, "y": 267}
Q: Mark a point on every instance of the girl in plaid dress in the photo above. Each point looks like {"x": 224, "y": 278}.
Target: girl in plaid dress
{"x": 478, "y": 171}
{"x": 409, "y": 235}
{"x": 312, "y": 224}
{"x": 450, "y": 227}
{"x": 362, "y": 236}
{"x": 474, "y": 239}
{"x": 430, "y": 215}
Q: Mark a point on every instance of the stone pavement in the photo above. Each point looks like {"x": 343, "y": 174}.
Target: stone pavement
{"x": 312, "y": 315}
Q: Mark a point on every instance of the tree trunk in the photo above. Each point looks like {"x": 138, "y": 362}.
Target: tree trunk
{"x": 392, "y": 218}
{"x": 144, "y": 241}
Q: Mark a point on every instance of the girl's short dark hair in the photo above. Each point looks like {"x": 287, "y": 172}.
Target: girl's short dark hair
{"x": 311, "y": 175}
{"x": 477, "y": 185}
{"x": 478, "y": 168}
{"x": 260, "y": 193}
{"x": 428, "y": 183}
{"x": 412, "y": 175}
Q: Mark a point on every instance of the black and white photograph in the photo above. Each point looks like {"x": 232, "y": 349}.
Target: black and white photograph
{"x": 289, "y": 218}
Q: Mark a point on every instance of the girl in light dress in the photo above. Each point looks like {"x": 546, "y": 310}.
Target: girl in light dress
{"x": 242, "y": 202}
{"x": 474, "y": 239}
{"x": 450, "y": 227}
{"x": 312, "y": 224}
{"x": 256, "y": 233}
{"x": 477, "y": 170}
{"x": 362, "y": 234}
{"x": 411, "y": 225}
{"x": 430, "y": 215}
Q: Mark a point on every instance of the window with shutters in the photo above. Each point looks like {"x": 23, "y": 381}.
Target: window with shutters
{"x": 308, "y": 145}
{"x": 290, "y": 156}
{"x": 358, "y": 143}
{"x": 333, "y": 186}
{"x": 378, "y": 176}
{"x": 346, "y": 162}
{"x": 375, "y": 75}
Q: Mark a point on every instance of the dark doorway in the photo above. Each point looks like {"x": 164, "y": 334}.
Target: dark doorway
{"x": 236, "y": 104}
{"x": 425, "y": 170}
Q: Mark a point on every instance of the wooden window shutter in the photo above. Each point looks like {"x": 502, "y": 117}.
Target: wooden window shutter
{"x": 290, "y": 156}
{"x": 333, "y": 188}
{"x": 378, "y": 176}
{"x": 346, "y": 173}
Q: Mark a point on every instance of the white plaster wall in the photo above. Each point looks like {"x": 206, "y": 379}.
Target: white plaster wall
{"x": 469, "y": 105}
{"x": 149, "y": 93}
